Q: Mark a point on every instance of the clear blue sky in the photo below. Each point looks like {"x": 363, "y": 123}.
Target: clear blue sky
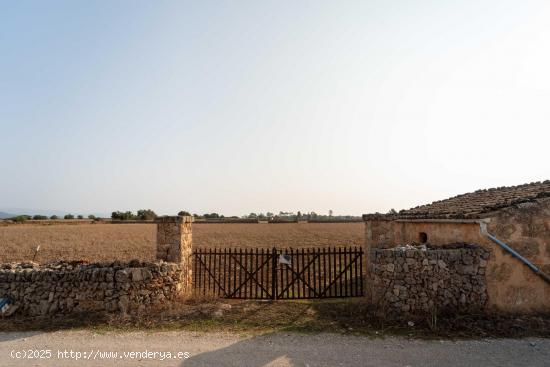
{"x": 355, "y": 106}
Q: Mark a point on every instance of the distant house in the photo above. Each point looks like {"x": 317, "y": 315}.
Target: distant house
{"x": 518, "y": 216}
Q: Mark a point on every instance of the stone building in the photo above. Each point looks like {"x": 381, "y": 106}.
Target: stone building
{"x": 518, "y": 216}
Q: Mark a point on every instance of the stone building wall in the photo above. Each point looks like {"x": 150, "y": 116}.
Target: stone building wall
{"x": 417, "y": 281}
{"x": 77, "y": 287}
{"x": 525, "y": 227}
{"x": 511, "y": 286}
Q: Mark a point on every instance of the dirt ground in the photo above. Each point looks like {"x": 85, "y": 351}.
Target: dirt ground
{"x": 283, "y": 333}
{"x": 104, "y": 242}
{"x": 87, "y": 348}
{"x": 345, "y": 316}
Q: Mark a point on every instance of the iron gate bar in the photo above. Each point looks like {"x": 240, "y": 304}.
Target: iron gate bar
{"x": 346, "y": 285}
{"x": 340, "y": 275}
{"x": 303, "y": 265}
{"x": 326, "y": 270}
{"x": 250, "y": 277}
{"x": 234, "y": 275}
{"x": 209, "y": 267}
{"x": 294, "y": 278}
{"x": 224, "y": 267}
{"x": 254, "y": 264}
{"x": 340, "y": 269}
{"x": 314, "y": 274}
{"x": 274, "y": 273}
{"x": 245, "y": 268}
{"x": 356, "y": 274}
{"x": 240, "y": 269}
{"x": 219, "y": 267}
{"x": 239, "y": 273}
{"x": 308, "y": 273}
{"x": 262, "y": 252}
{"x": 280, "y": 269}
{"x": 299, "y": 276}
{"x": 329, "y": 270}
{"x": 211, "y": 276}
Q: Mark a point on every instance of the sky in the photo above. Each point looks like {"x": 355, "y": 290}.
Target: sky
{"x": 254, "y": 106}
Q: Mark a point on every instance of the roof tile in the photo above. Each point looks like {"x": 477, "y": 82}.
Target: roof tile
{"x": 474, "y": 204}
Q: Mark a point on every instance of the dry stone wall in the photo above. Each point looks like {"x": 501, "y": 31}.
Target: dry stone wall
{"x": 78, "y": 287}
{"x": 440, "y": 280}
{"x": 128, "y": 287}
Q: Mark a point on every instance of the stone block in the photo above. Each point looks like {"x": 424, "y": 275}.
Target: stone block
{"x": 420, "y": 287}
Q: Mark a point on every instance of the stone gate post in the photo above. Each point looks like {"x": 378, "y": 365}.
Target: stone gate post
{"x": 175, "y": 244}
{"x": 174, "y": 239}
{"x": 368, "y": 247}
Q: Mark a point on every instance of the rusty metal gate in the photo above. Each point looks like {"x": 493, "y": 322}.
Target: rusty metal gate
{"x": 278, "y": 274}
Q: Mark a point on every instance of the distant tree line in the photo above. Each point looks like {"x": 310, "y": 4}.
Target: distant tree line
{"x": 148, "y": 214}
{"x": 283, "y": 216}
{"x": 204, "y": 216}
{"x": 22, "y": 218}
{"x": 291, "y": 216}
{"x": 142, "y": 214}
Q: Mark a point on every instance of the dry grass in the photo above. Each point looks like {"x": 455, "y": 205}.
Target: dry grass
{"x": 350, "y": 316}
{"x": 104, "y": 242}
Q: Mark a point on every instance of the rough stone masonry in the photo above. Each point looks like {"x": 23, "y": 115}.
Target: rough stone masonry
{"x": 432, "y": 280}
{"x": 128, "y": 287}
{"x": 65, "y": 287}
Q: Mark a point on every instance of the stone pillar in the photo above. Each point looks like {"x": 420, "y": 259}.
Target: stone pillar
{"x": 175, "y": 245}
{"x": 174, "y": 239}
{"x": 367, "y": 246}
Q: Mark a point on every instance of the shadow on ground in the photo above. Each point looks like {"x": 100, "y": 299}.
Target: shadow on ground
{"x": 7, "y": 336}
{"x": 292, "y": 349}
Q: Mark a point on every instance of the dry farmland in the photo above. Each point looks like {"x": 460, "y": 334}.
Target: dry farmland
{"x": 99, "y": 242}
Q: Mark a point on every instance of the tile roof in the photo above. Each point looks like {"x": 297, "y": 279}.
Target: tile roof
{"x": 474, "y": 204}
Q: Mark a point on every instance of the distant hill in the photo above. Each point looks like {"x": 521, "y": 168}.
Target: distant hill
{"x": 25, "y": 211}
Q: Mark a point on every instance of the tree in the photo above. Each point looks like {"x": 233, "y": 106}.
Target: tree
{"x": 146, "y": 214}
{"x": 330, "y": 213}
{"x": 183, "y": 213}
{"x": 54, "y": 217}
{"x": 68, "y": 216}
{"x": 80, "y": 216}
{"x": 123, "y": 215}
{"x": 21, "y": 218}
{"x": 39, "y": 217}
{"x": 392, "y": 211}
{"x": 92, "y": 217}
{"x": 252, "y": 216}
{"x": 269, "y": 214}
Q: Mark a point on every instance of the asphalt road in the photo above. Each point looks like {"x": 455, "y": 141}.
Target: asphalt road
{"x": 86, "y": 348}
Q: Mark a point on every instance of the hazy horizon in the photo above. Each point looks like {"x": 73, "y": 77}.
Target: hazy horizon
{"x": 105, "y": 214}
{"x": 352, "y": 106}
